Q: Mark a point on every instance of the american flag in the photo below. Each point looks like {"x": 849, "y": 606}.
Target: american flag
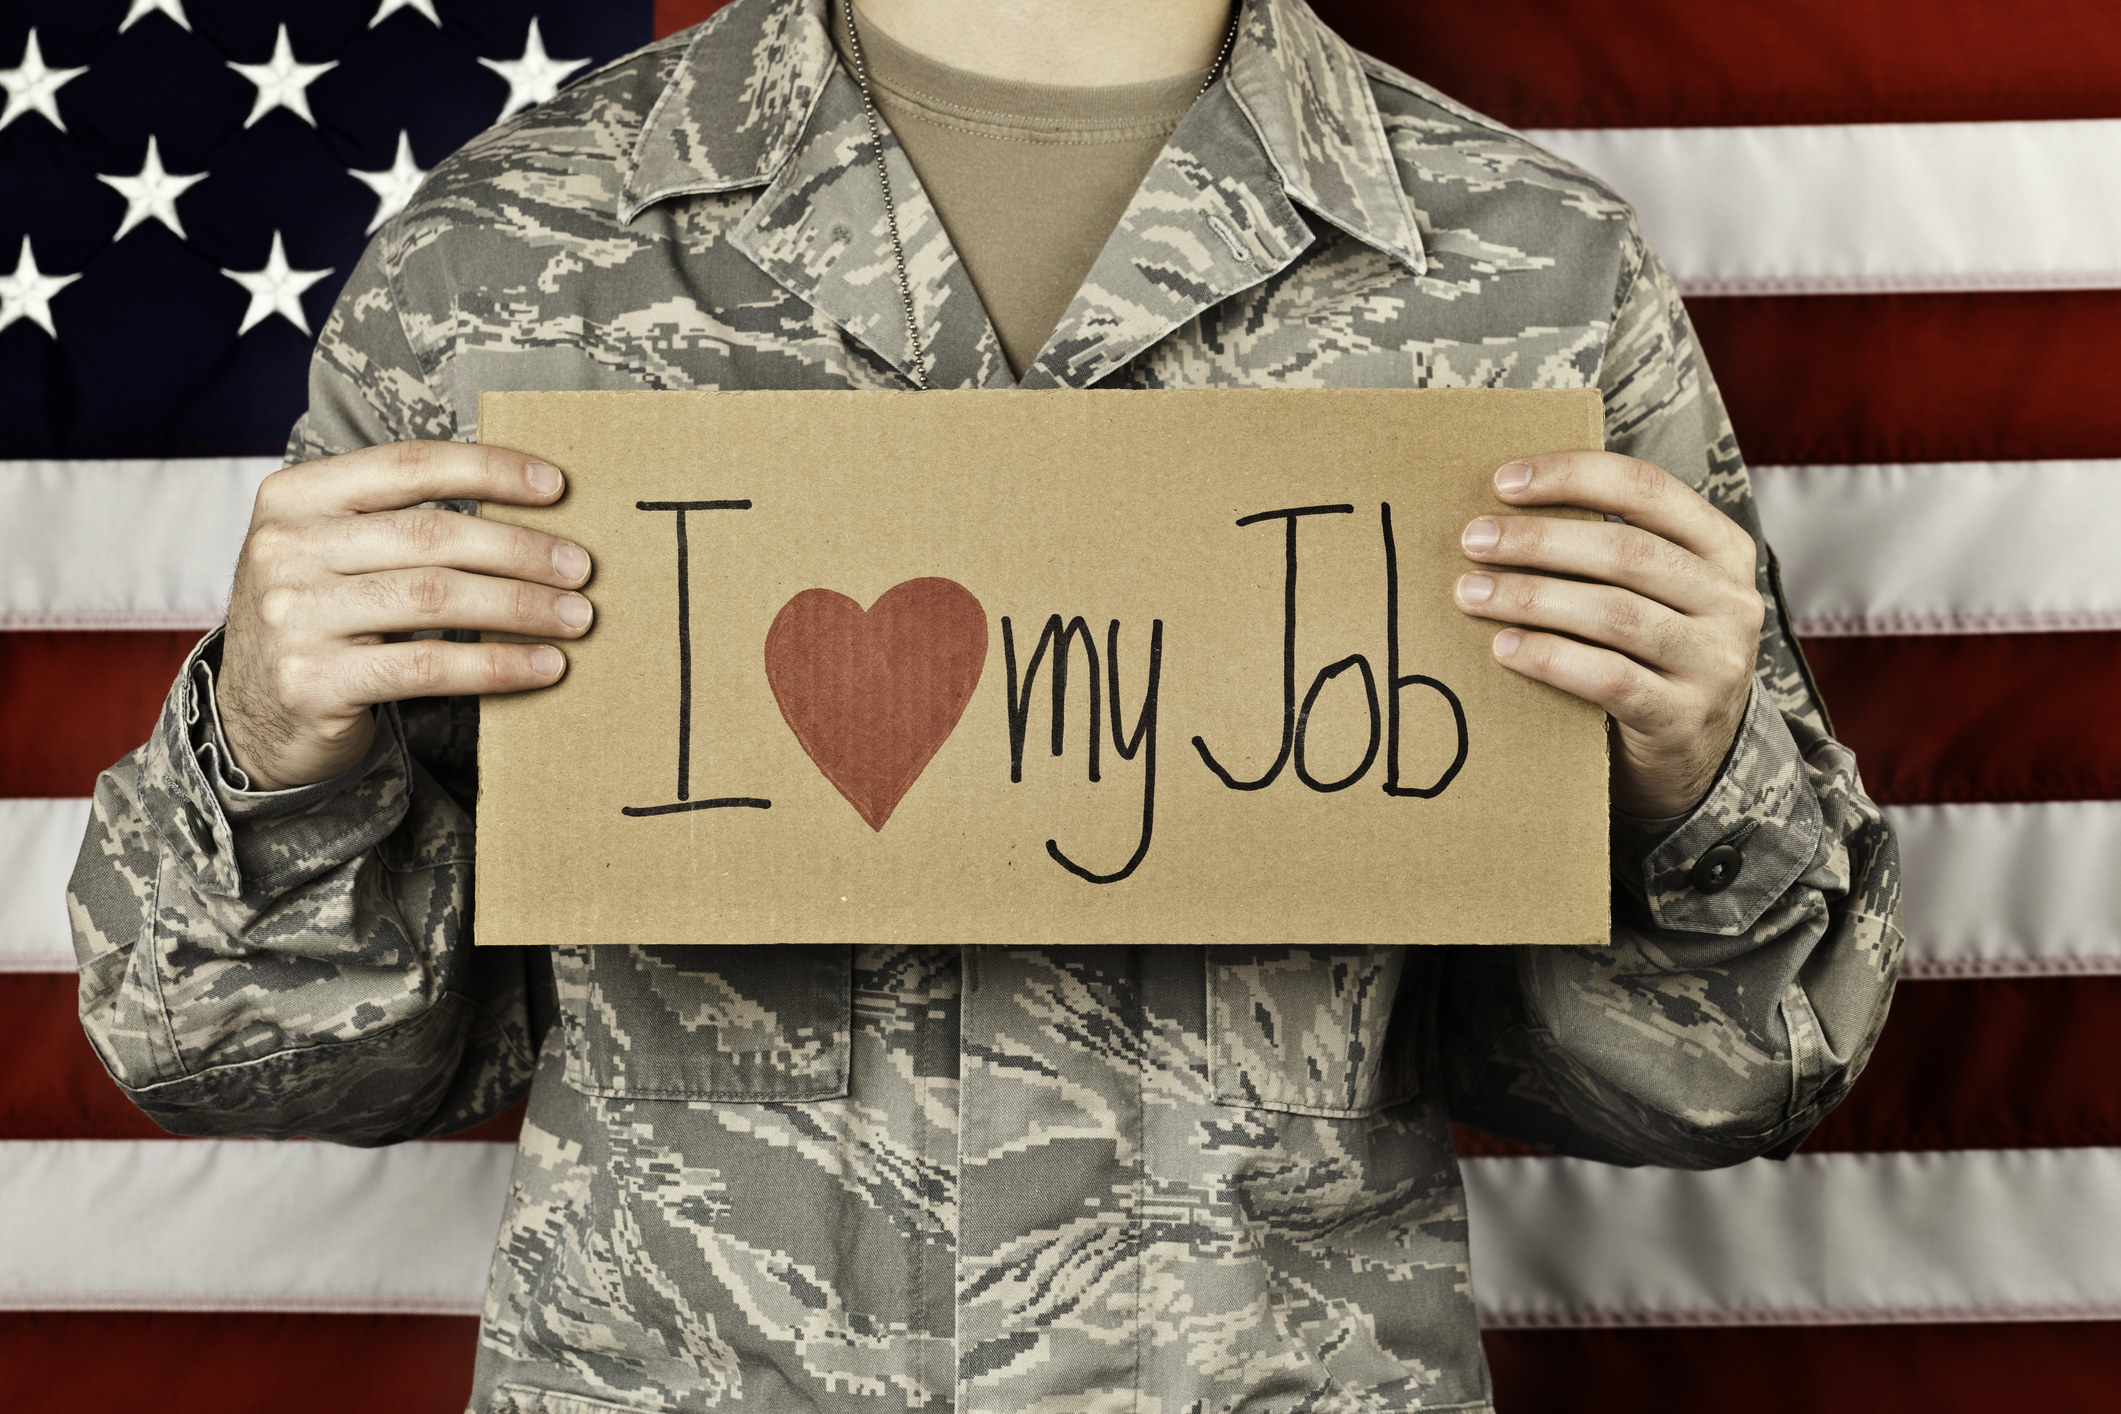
{"x": 1898, "y": 224}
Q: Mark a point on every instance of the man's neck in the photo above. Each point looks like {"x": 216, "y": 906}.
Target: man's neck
{"x": 1084, "y": 43}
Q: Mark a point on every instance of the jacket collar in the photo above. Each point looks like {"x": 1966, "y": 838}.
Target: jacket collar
{"x": 736, "y": 108}
{"x": 1311, "y": 107}
{"x": 759, "y": 100}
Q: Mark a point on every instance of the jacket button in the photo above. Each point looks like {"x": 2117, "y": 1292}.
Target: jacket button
{"x": 1717, "y": 869}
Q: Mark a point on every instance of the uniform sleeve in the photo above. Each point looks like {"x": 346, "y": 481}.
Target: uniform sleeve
{"x": 299, "y": 962}
{"x": 1729, "y": 1013}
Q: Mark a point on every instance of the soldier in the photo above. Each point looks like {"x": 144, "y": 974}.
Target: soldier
{"x": 1002, "y": 1179}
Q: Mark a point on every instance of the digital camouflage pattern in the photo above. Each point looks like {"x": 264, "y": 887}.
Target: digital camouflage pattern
{"x": 1146, "y": 1179}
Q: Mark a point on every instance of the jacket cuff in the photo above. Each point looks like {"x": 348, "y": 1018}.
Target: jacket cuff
{"x": 1719, "y": 868}
{"x": 241, "y": 842}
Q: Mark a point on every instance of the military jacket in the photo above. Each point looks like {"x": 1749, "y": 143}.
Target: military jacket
{"x": 998, "y": 1179}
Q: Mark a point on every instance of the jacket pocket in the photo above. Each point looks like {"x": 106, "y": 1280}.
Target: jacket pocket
{"x": 706, "y": 1023}
{"x": 1308, "y": 1030}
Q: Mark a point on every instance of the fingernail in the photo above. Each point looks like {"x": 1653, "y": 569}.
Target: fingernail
{"x": 1481, "y": 536}
{"x": 569, "y": 561}
{"x": 1476, "y": 588}
{"x": 574, "y": 611}
{"x": 546, "y": 661}
{"x": 543, "y": 479}
{"x": 1514, "y": 477}
{"x": 1507, "y": 642}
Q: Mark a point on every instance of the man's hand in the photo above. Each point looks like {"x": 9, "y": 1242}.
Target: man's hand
{"x": 1659, "y": 623}
{"x": 340, "y": 558}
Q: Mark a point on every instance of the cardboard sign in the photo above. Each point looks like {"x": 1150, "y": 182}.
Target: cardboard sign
{"x": 1036, "y": 668}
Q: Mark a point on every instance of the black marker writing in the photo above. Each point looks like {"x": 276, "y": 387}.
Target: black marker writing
{"x": 1394, "y": 683}
{"x": 1303, "y": 723}
{"x": 684, "y": 801}
{"x": 1385, "y": 719}
{"x": 1142, "y": 742}
{"x": 1057, "y": 638}
{"x": 1288, "y": 649}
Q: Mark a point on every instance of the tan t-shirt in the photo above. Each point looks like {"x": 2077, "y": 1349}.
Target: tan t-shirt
{"x": 1029, "y": 179}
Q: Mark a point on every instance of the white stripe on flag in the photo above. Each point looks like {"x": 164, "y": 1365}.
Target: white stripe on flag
{"x": 1861, "y": 207}
{"x": 1946, "y": 547}
{"x": 1824, "y": 1238}
{"x": 1963, "y": 1235}
{"x": 1992, "y": 890}
{"x": 236, "y": 1225}
{"x": 2026, "y": 890}
{"x": 123, "y": 544}
{"x": 38, "y": 842}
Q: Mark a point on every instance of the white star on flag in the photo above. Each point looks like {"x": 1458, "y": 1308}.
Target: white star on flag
{"x": 282, "y": 83}
{"x": 275, "y": 290}
{"x": 30, "y": 85}
{"x": 151, "y": 193}
{"x": 395, "y": 184}
{"x": 533, "y": 78}
{"x": 391, "y": 7}
{"x": 143, "y": 8}
{"x": 27, "y": 292}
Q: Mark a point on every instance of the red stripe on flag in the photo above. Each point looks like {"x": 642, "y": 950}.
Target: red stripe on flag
{"x": 1471, "y": 1143}
{"x": 1942, "y": 377}
{"x": 89, "y": 1362}
{"x": 2062, "y": 1367}
{"x": 674, "y": 15}
{"x": 1680, "y": 63}
{"x": 1983, "y": 717}
{"x": 94, "y": 1362}
{"x": 1998, "y": 1063}
{"x": 1989, "y": 1063}
{"x": 2018, "y": 1063}
{"x": 72, "y": 703}
{"x": 52, "y": 1086}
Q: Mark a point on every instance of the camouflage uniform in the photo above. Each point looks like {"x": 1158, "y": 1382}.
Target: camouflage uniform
{"x": 1158, "y": 1178}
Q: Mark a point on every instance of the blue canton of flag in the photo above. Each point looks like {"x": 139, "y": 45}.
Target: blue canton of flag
{"x": 188, "y": 183}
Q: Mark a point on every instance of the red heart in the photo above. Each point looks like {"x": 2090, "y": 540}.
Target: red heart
{"x": 873, "y": 696}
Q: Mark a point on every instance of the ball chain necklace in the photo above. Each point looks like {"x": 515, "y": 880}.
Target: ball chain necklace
{"x": 883, "y": 173}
